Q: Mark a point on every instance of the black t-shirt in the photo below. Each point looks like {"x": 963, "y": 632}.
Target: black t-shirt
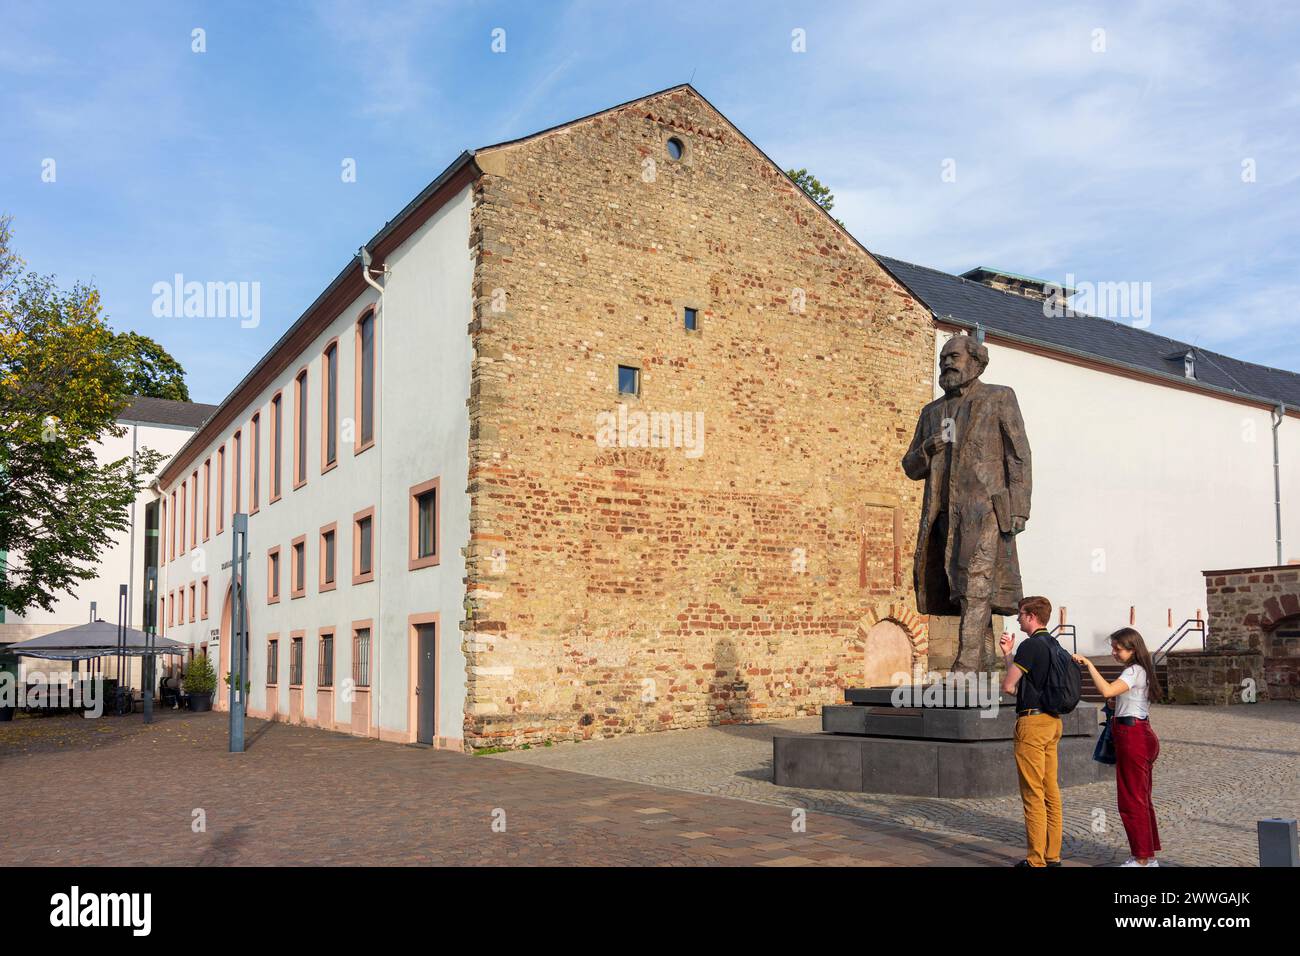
{"x": 1033, "y": 657}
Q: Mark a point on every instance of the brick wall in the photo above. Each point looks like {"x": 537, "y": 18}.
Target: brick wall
{"x": 1221, "y": 676}
{"x": 1259, "y": 609}
{"x": 621, "y": 589}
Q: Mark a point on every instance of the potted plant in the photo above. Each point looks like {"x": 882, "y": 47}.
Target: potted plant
{"x": 200, "y": 681}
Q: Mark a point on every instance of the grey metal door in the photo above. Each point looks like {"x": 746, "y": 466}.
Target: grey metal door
{"x": 425, "y": 683}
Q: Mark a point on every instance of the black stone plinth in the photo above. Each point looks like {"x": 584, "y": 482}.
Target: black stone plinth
{"x": 946, "y": 723}
{"x": 920, "y": 768}
{"x": 871, "y": 746}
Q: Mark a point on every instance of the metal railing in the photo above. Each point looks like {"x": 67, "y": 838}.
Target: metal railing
{"x": 361, "y": 657}
{"x": 1067, "y": 630}
{"x": 1189, "y": 626}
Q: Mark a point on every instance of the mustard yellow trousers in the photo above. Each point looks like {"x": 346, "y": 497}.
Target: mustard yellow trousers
{"x": 1036, "y": 738}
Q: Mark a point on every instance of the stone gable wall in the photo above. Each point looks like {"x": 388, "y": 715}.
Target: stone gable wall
{"x": 619, "y": 588}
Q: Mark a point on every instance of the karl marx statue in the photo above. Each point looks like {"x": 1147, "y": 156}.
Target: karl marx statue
{"x": 970, "y": 448}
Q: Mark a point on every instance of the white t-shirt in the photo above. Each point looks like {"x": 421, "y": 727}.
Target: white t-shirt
{"x": 1133, "y": 702}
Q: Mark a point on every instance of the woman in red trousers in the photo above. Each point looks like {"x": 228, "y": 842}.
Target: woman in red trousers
{"x": 1136, "y": 745}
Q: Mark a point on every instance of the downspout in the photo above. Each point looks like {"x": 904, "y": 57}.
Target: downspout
{"x": 130, "y": 567}
{"x": 1279, "y": 413}
{"x": 376, "y": 679}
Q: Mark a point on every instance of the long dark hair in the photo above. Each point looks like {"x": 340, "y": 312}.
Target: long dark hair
{"x": 1129, "y": 639}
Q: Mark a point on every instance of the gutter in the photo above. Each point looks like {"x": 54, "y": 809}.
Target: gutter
{"x": 1278, "y": 414}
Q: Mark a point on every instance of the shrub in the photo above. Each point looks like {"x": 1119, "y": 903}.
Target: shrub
{"x": 200, "y": 678}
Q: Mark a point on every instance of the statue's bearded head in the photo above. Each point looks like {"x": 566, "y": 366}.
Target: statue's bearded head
{"x": 961, "y": 360}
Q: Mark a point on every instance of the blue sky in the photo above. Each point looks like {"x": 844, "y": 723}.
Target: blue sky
{"x": 1123, "y": 164}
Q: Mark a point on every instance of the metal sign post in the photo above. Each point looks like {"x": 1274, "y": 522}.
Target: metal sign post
{"x": 147, "y": 665}
{"x": 121, "y": 650}
{"x": 237, "y": 665}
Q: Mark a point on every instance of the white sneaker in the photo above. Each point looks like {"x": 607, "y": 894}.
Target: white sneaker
{"x": 1141, "y": 866}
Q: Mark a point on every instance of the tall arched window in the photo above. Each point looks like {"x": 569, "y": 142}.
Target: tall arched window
{"x": 365, "y": 377}
{"x": 300, "y": 429}
{"x": 330, "y": 407}
{"x": 277, "y": 441}
{"x": 254, "y": 472}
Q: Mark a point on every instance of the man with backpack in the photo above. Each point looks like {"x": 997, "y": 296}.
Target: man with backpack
{"x": 1046, "y": 683}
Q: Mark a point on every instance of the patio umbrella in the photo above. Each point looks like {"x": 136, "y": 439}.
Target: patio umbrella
{"x": 96, "y": 639}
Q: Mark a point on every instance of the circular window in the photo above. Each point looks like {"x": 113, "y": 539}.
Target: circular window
{"x": 675, "y": 148}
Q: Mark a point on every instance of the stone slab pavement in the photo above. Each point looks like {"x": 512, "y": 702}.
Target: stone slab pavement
{"x": 1220, "y": 770}
{"x": 115, "y": 792}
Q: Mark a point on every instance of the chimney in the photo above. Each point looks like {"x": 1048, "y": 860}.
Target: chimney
{"x": 1027, "y": 286}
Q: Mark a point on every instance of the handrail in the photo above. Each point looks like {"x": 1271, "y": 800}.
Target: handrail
{"x": 1069, "y": 630}
{"x": 1173, "y": 640}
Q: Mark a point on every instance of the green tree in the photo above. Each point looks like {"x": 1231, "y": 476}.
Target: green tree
{"x": 816, "y": 190}
{"x": 62, "y": 386}
{"x": 150, "y": 369}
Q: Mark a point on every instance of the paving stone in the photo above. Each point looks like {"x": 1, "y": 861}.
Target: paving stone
{"x": 1220, "y": 770}
{"x": 115, "y": 792}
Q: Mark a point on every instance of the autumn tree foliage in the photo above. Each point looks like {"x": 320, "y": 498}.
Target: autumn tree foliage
{"x": 63, "y": 384}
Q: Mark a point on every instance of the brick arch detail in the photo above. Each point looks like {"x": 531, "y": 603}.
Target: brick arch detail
{"x": 913, "y": 625}
{"x": 1278, "y": 609}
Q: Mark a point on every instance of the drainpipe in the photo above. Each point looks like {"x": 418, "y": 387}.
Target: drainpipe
{"x": 376, "y": 679}
{"x": 130, "y": 567}
{"x": 1278, "y": 414}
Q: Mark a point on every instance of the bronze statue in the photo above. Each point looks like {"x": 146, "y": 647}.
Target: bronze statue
{"x": 970, "y": 448}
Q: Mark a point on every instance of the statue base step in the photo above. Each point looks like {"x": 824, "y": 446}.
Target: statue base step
{"x": 934, "y": 749}
{"x": 919, "y": 768}
{"x": 946, "y": 723}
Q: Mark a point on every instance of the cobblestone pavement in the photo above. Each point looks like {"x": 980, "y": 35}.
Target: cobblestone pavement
{"x": 1220, "y": 770}
{"x": 115, "y": 792}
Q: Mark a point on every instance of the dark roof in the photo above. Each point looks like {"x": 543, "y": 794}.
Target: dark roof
{"x": 968, "y": 303}
{"x": 164, "y": 411}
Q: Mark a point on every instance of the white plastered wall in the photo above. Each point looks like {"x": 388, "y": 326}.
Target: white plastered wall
{"x": 422, "y": 424}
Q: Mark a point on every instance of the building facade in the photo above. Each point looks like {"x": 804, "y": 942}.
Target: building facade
{"x": 658, "y": 397}
{"x": 601, "y": 434}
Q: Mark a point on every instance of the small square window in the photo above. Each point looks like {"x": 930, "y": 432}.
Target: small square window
{"x": 692, "y": 323}
{"x": 629, "y": 380}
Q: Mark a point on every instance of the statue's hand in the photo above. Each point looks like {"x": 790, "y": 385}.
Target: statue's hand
{"x": 934, "y": 444}
{"x": 1017, "y": 524}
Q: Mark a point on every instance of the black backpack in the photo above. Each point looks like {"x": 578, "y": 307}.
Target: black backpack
{"x": 1064, "y": 686}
